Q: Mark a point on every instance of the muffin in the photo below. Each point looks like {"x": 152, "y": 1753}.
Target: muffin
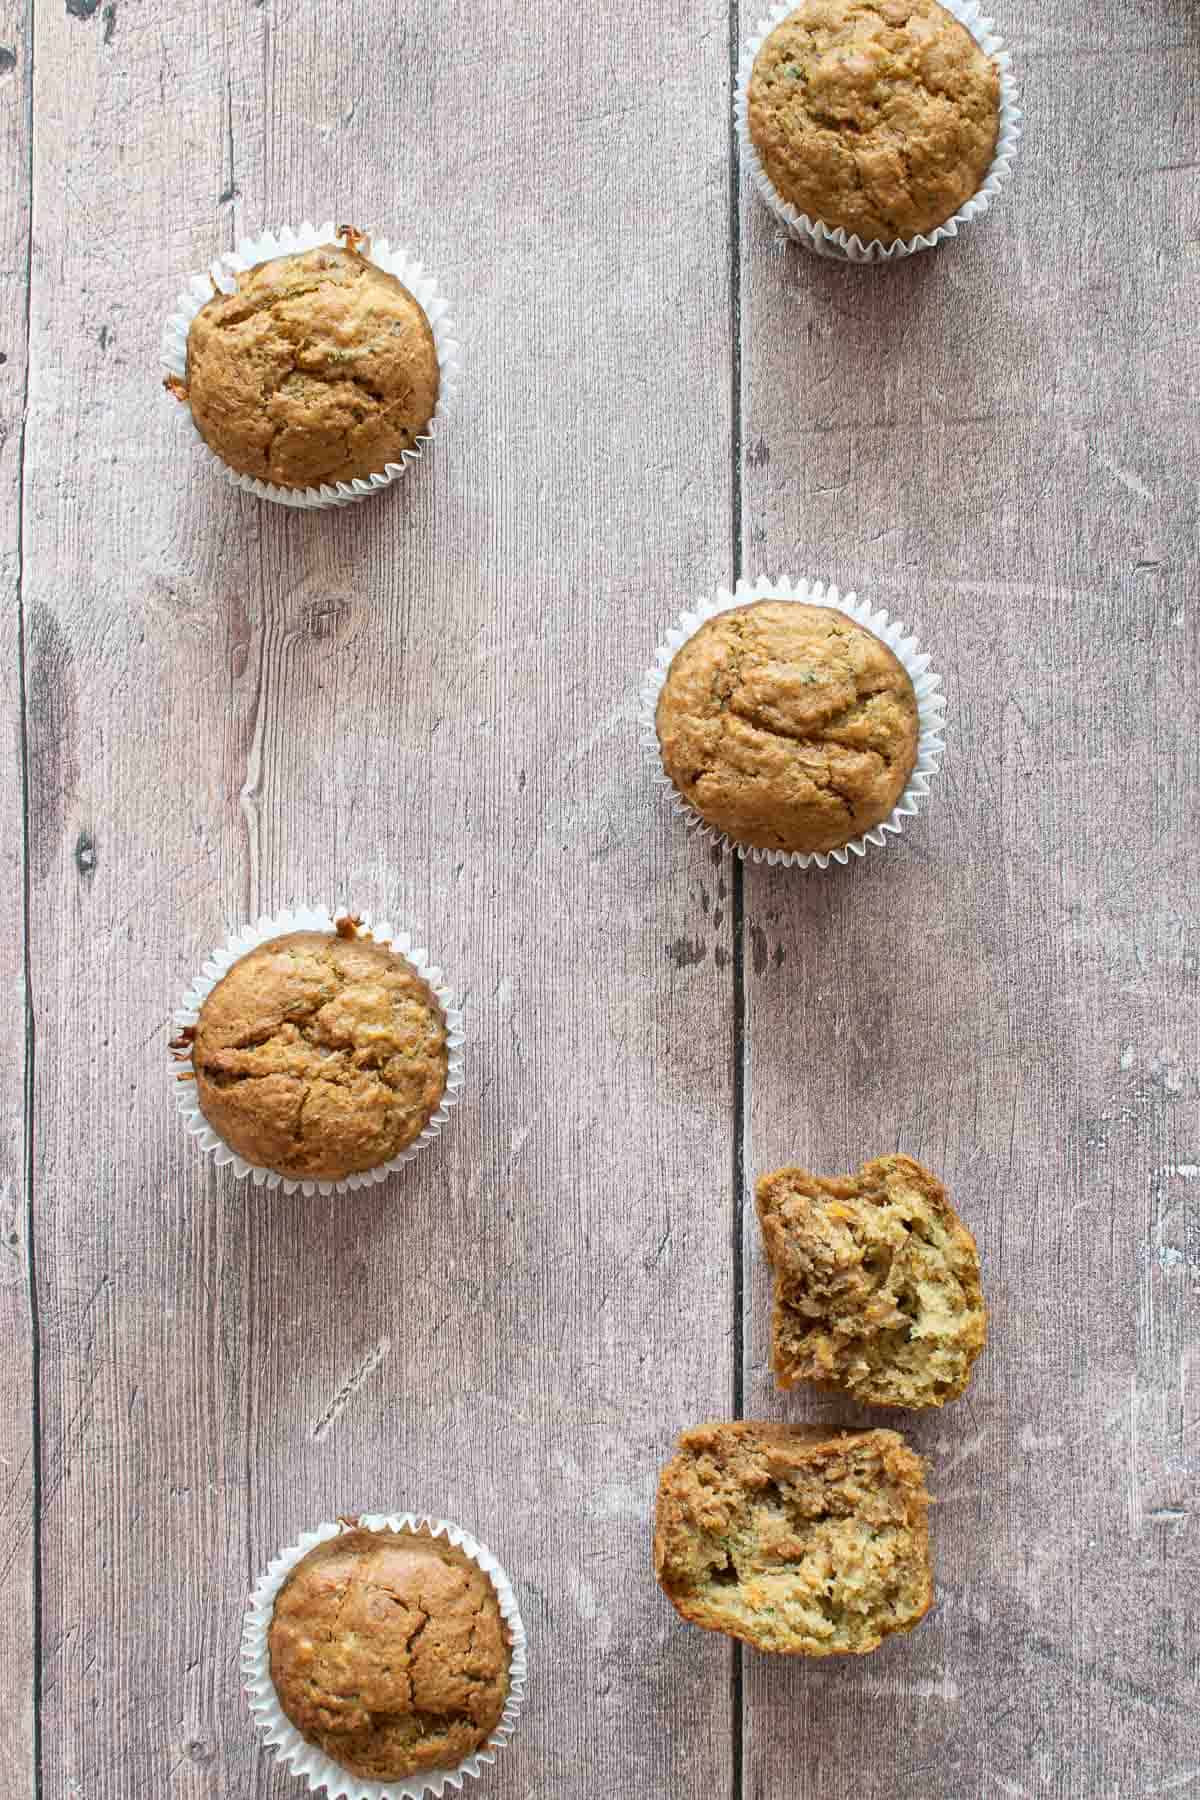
{"x": 788, "y": 727}
{"x": 389, "y": 1652}
{"x": 319, "y": 1054}
{"x": 877, "y": 117}
{"x": 877, "y": 1291}
{"x": 321, "y": 367}
{"x": 794, "y": 1538}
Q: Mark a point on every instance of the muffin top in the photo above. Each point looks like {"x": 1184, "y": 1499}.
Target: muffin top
{"x": 788, "y": 726}
{"x": 320, "y": 1055}
{"x": 798, "y": 1539}
{"x": 390, "y": 1652}
{"x": 321, "y": 367}
{"x": 879, "y": 116}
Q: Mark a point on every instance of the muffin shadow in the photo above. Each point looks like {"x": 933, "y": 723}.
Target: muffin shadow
{"x": 883, "y": 293}
{"x": 872, "y": 318}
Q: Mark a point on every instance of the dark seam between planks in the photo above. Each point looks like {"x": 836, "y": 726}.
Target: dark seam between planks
{"x": 736, "y": 882}
{"x": 253, "y": 908}
{"x": 232, "y": 187}
{"x": 736, "y": 889}
{"x": 35, "y": 1337}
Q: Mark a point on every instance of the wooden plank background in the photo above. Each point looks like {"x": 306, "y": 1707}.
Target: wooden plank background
{"x": 18, "y": 1425}
{"x": 1001, "y": 448}
{"x": 426, "y": 707}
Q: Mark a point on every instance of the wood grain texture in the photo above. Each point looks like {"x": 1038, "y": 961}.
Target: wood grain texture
{"x": 424, "y": 707}
{"x": 17, "y": 1463}
{"x": 998, "y": 443}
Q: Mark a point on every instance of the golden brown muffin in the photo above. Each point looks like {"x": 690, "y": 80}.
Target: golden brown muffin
{"x": 788, "y": 726}
{"x": 320, "y": 1055}
{"x": 390, "y": 1652}
{"x": 877, "y": 1288}
{"x": 878, "y": 116}
{"x": 795, "y": 1538}
{"x": 321, "y": 367}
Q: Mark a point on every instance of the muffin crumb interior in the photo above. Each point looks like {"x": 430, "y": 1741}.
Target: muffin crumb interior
{"x": 793, "y": 1538}
{"x": 877, "y": 1289}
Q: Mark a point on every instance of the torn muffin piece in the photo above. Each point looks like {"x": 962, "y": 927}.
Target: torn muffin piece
{"x": 794, "y": 1538}
{"x": 877, "y": 1289}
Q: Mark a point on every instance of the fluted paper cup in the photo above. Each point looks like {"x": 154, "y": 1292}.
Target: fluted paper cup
{"x": 311, "y": 918}
{"x": 930, "y": 710}
{"x": 834, "y": 241}
{"x": 307, "y": 1761}
{"x": 288, "y": 241}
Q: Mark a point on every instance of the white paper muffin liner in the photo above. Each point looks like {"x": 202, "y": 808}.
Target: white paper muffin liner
{"x": 309, "y": 1762}
{"x": 819, "y": 237}
{"x": 930, "y": 708}
{"x": 314, "y": 918}
{"x": 285, "y": 242}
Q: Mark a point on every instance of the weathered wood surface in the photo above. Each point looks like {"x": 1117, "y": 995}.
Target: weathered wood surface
{"x": 426, "y": 707}
{"x": 1000, "y": 446}
{"x": 17, "y": 1478}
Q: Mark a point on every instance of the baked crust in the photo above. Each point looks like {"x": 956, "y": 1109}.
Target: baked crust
{"x": 878, "y": 116}
{"x": 321, "y": 367}
{"x": 788, "y": 726}
{"x": 389, "y": 1650}
{"x": 320, "y": 1055}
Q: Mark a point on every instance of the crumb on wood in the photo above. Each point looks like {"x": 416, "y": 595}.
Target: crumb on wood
{"x": 356, "y": 240}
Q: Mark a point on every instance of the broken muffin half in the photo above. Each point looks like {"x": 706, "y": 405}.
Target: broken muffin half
{"x": 877, "y": 1290}
{"x": 794, "y": 1538}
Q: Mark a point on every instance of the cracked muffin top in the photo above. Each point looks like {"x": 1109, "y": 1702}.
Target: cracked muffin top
{"x": 321, "y": 367}
{"x": 878, "y": 116}
{"x": 320, "y": 1055}
{"x": 389, "y": 1651}
{"x": 795, "y": 1538}
{"x": 788, "y": 726}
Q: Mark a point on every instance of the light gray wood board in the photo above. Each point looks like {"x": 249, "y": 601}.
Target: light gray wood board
{"x": 998, "y": 443}
{"x": 423, "y": 706}
{"x": 17, "y": 1526}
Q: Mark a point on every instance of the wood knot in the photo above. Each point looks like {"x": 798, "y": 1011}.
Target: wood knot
{"x": 324, "y": 619}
